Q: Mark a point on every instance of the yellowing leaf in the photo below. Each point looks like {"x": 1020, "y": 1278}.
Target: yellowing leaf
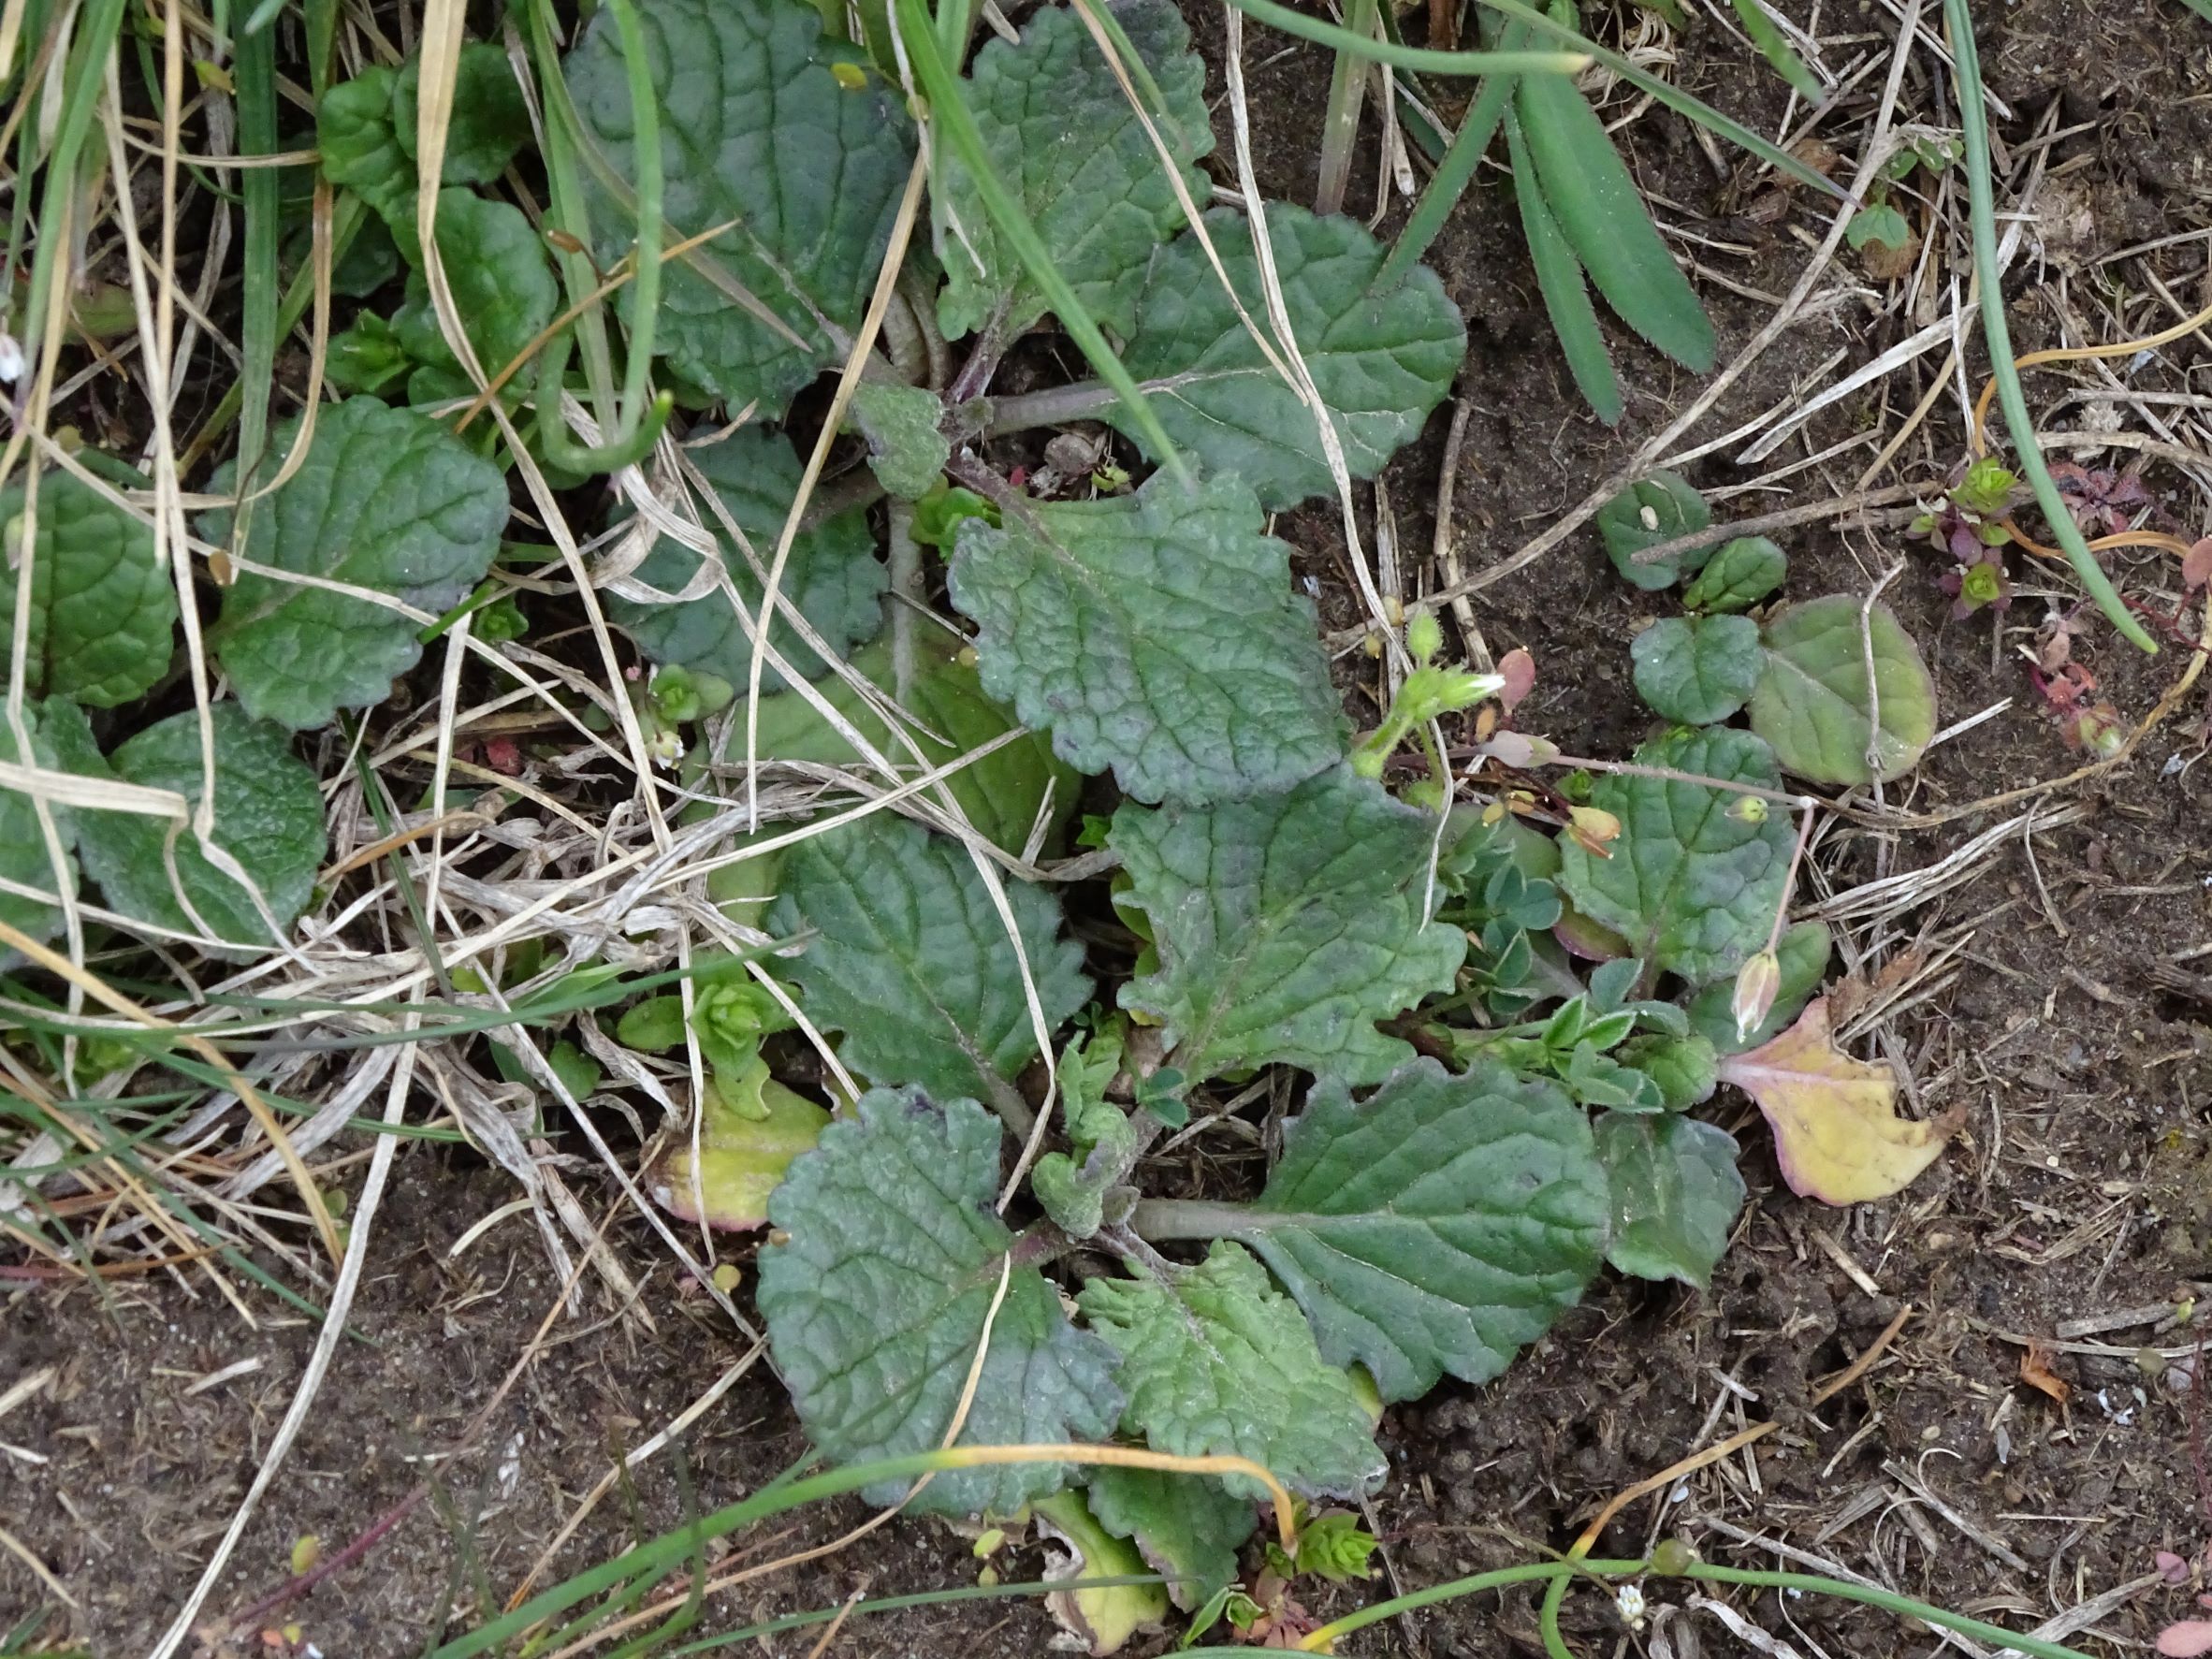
{"x": 741, "y": 1159}
{"x": 1835, "y": 1128}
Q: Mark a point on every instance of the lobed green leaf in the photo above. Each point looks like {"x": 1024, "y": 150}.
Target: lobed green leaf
{"x": 911, "y": 962}
{"x": 832, "y": 576}
{"x": 756, "y": 126}
{"x": 1155, "y": 633}
{"x": 386, "y": 500}
{"x": 1695, "y": 876}
{"x": 1286, "y": 925}
{"x": 1218, "y": 1362}
{"x": 876, "y": 1293}
{"x": 1439, "y": 1226}
{"x": 102, "y": 612}
{"x": 1381, "y": 359}
{"x": 1059, "y": 130}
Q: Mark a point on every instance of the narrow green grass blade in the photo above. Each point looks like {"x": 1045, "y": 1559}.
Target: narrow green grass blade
{"x": 98, "y": 29}
{"x": 1340, "y": 120}
{"x": 1558, "y": 274}
{"x": 673, "y": 1546}
{"x": 255, "y": 77}
{"x": 921, "y": 1598}
{"x": 1602, "y": 216}
{"x": 2202, "y": 7}
{"x": 1277, "y": 16}
{"x": 1456, "y": 171}
{"x": 571, "y": 212}
{"x": 345, "y": 224}
{"x": 1778, "y": 52}
{"x": 956, "y": 123}
{"x": 1982, "y": 203}
{"x": 322, "y": 42}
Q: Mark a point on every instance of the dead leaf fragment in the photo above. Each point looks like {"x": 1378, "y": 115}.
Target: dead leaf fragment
{"x": 1835, "y": 1129}
{"x": 2196, "y": 565}
{"x": 1594, "y": 828}
{"x": 2035, "y": 1370}
{"x": 1519, "y": 670}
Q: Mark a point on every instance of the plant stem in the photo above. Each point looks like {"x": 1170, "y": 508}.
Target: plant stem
{"x": 905, "y": 593}
{"x": 1053, "y": 407}
{"x": 1981, "y": 199}
{"x": 1340, "y": 125}
{"x": 1162, "y": 1220}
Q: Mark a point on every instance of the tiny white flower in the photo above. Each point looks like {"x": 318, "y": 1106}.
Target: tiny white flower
{"x": 11, "y": 358}
{"x": 1629, "y": 1600}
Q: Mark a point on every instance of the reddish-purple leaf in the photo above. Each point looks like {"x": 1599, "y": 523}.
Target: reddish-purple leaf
{"x": 2187, "y": 1639}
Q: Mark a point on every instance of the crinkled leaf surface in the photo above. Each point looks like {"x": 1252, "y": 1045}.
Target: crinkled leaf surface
{"x": 1676, "y": 1193}
{"x": 1157, "y": 634}
{"x": 1065, "y": 140}
{"x": 359, "y": 148}
{"x": 876, "y": 1304}
{"x": 489, "y": 122}
{"x": 1187, "y": 1527}
{"x": 364, "y": 134}
{"x": 1286, "y": 926}
{"x": 386, "y": 500}
{"x": 1837, "y": 1134}
{"x": 1802, "y": 955}
{"x": 1692, "y": 882}
{"x": 268, "y": 816}
{"x": 1220, "y": 1362}
{"x": 1697, "y": 669}
{"x": 1737, "y": 578}
{"x": 1071, "y": 1186}
{"x": 101, "y": 610}
{"x": 1812, "y": 705}
{"x": 911, "y": 962}
{"x": 906, "y": 450}
{"x": 832, "y": 575}
{"x": 1685, "y": 1068}
{"x": 1438, "y": 1226}
{"x": 756, "y": 128}
{"x": 503, "y": 287}
{"x": 1002, "y": 794}
{"x": 1649, "y": 511}
{"x": 24, "y": 853}
{"x": 1381, "y": 361}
